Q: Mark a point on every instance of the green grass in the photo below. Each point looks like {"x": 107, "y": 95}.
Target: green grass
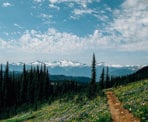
{"x": 75, "y": 110}
{"x": 134, "y": 97}
{"x": 79, "y": 108}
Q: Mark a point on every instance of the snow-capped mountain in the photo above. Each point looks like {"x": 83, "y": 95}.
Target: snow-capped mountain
{"x": 73, "y": 68}
{"x": 68, "y": 63}
{"x": 134, "y": 67}
{"x": 18, "y": 63}
{"x": 62, "y": 63}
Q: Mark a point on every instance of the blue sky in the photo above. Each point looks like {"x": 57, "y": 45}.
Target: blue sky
{"x": 48, "y": 30}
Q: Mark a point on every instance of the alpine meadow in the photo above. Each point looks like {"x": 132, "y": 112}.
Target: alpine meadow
{"x": 74, "y": 61}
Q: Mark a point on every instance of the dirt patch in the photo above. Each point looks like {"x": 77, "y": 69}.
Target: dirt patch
{"x": 118, "y": 113}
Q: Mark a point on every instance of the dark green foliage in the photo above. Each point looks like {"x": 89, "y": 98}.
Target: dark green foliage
{"x": 105, "y": 81}
{"x": 29, "y": 89}
{"x": 23, "y": 86}
{"x": 92, "y": 86}
{"x": 139, "y": 75}
{"x": 1, "y": 91}
{"x": 6, "y": 85}
{"x": 107, "y": 84}
{"x": 102, "y": 80}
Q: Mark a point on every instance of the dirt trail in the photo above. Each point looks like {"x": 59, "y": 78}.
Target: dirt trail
{"x": 118, "y": 113}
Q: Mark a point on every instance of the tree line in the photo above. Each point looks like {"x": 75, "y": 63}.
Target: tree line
{"x": 29, "y": 88}
{"x": 108, "y": 81}
{"x": 33, "y": 86}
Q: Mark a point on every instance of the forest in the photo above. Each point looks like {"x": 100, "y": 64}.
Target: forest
{"x": 28, "y": 89}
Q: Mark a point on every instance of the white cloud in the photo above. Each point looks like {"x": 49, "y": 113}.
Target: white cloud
{"x": 82, "y": 11}
{"x": 38, "y": 1}
{"x": 98, "y": 13}
{"x": 53, "y": 41}
{"x": 130, "y": 25}
{"x": 46, "y": 18}
{"x": 17, "y": 25}
{"x": 83, "y": 3}
{"x": 76, "y": 13}
{"x": 54, "y": 1}
{"x": 6, "y": 4}
{"x": 35, "y": 45}
{"x": 54, "y": 6}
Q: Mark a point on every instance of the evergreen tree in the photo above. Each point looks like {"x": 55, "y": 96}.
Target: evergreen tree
{"x": 41, "y": 82}
{"x": 107, "y": 78}
{"x": 1, "y": 93}
{"x": 45, "y": 83}
{"x": 12, "y": 90}
{"x": 36, "y": 87}
{"x": 47, "y": 86}
{"x": 1, "y": 74}
{"x": 5, "y": 86}
{"x": 30, "y": 92}
{"x": 92, "y": 87}
{"x": 23, "y": 88}
{"x": 102, "y": 80}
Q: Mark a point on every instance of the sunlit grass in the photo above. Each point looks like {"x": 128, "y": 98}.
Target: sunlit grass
{"x": 70, "y": 111}
{"x": 134, "y": 97}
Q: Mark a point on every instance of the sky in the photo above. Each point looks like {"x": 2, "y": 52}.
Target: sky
{"x": 52, "y": 30}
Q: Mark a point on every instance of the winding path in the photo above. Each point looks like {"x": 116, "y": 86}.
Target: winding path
{"x": 118, "y": 113}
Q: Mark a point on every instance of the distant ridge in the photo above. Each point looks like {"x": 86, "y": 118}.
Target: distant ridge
{"x": 142, "y": 73}
{"x": 143, "y": 70}
{"x": 70, "y": 63}
{"x": 59, "y": 78}
{"x": 75, "y": 68}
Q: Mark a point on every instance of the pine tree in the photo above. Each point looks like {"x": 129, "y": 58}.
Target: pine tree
{"x": 23, "y": 89}
{"x": 30, "y": 87}
{"x": 92, "y": 87}
{"x": 1, "y": 74}
{"x": 101, "y": 83}
{"x": 1, "y": 92}
{"x": 5, "y": 86}
{"x": 47, "y": 86}
{"x": 12, "y": 89}
{"x": 107, "y": 78}
{"x": 36, "y": 87}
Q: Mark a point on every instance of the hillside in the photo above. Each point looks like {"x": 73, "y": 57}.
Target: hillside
{"x": 60, "y": 78}
{"x": 134, "y": 97}
{"x": 142, "y": 73}
{"x": 77, "y": 109}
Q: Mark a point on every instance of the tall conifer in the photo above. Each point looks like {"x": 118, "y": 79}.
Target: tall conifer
{"x": 92, "y": 87}
{"x": 101, "y": 83}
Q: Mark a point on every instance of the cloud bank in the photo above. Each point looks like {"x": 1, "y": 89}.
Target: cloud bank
{"x": 127, "y": 32}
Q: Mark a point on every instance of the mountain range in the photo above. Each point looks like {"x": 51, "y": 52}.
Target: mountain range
{"x": 75, "y": 69}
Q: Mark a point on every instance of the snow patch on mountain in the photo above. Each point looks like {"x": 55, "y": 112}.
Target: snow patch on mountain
{"x": 68, "y": 63}
{"x": 62, "y": 63}
{"x": 18, "y": 63}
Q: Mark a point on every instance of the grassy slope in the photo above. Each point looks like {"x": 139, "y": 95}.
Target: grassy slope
{"x": 134, "y": 97}
{"x": 84, "y": 110}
